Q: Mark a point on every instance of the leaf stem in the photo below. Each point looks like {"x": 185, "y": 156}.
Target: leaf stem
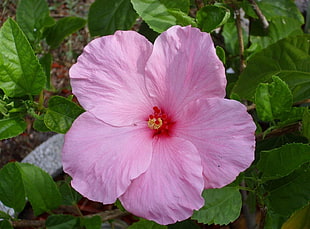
{"x": 240, "y": 39}
{"x": 259, "y": 14}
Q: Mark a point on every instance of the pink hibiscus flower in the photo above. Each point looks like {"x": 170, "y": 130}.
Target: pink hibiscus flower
{"x": 157, "y": 129}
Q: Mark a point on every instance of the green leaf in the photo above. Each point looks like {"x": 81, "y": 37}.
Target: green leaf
{"x": 61, "y": 113}
{"x": 306, "y": 124}
{"x": 159, "y": 17}
{"x": 187, "y": 224}
{"x": 69, "y": 195}
{"x": 39, "y": 125}
{"x": 91, "y": 223}
{"x": 4, "y": 215}
{"x": 220, "y": 52}
{"x": 105, "y": 17}
{"x": 11, "y": 127}
{"x": 273, "y": 100}
{"x": 11, "y": 187}
{"x": 61, "y": 222}
{"x": 294, "y": 189}
{"x": 20, "y": 71}
{"x": 46, "y": 62}
{"x": 40, "y": 188}
{"x": 63, "y": 27}
{"x": 279, "y": 28}
{"x": 32, "y": 16}
{"x": 281, "y": 8}
{"x": 222, "y": 206}
{"x": 282, "y": 161}
{"x": 182, "y": 5}
{"x": 299, "y": 220}
{"x": 5, "y": 224}
{"x": 211, "y": 17}
{"x": 231, "y": 38}
{"x": 289, "y": 59}
{"x": 146, "y": 224}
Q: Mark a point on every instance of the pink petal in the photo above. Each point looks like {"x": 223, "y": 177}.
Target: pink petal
{"x": 102, "y": 160}
{"x": 109, "y": 75}
{"x": 184, "y": 67}
{"x": 223, "y": 133}
{"x": 171, "y": 187}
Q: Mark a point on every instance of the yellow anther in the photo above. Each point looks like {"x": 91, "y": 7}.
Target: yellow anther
{"x": 154, "y": 123}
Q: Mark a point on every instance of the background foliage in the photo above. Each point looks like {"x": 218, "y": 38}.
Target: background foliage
{"x": 265, "y": 48}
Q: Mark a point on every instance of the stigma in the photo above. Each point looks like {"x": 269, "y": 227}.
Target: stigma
{"x": 158, "y": 121}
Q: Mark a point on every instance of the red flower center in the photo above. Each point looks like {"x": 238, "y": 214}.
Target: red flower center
{"x": 159, "y": 121}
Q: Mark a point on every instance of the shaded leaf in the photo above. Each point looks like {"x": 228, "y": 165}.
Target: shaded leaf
{"x": 294, "y": 189}
{"x": 20, "y": 71}
{"x": 146, "y": 224}
{"x": 40, "y": 188}
{"x": 69, "y": 195}
{"x": 289, "y": 59}
{"x": 105, "y": 17}
{"x": 5, "y": 224}
{"x": 222, "y": 206}
{"x": 12, "y": 188}
{"x": 91, "y": 223}
{"x": 61, "y": 113}
{"x": 46, "y": 63}
{"x": 63, "y": 27}
{"x": 282, "y": 161}
{"x": 32, "y": 16}
{"x": 299, "y": 220}
{"x": 61, "y": 222}
{"x": 306, "y": 124}
{"x": 211, "y": 17}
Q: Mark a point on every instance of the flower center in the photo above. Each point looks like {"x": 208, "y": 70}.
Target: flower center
{"x": 158, "y": 121}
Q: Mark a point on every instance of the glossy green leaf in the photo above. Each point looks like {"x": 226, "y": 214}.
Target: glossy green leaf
{"x": 299, "y": 220}
{"x": 105, "y": 17}
{"x": 63, "y": 27}
{"x": 272, "y": 100}
{"x": 11, "y": 127}
{"x": 146, "y": 224}
{"x": 159, "y": 17}
{"x": 61, "y": 222}
{"x": 91, "y": 223}
{"x": 69, "y": 195}
{"x": 32, "y": 16}
{"x": 5, "y": 224}
{"x": 20, "y": 71}
{"x": 222, "y": 206}
{"x": 279, "y": 28}
{"x": 61, "y": 113}
{"x": 282, "y": 161}
{"x": 211, "y": 17}
{"x": 40, "y": 188}
{"x": 46, "y": 63}
{"x": 294, "y": 189}
{"x": 306, "y": 124}
{"x": 11, "y": 187}
{"x": 289, "y": 59}
{"x": 187, "y": 224}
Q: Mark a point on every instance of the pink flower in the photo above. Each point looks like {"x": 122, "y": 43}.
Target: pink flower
{"x": 157, "y": 129}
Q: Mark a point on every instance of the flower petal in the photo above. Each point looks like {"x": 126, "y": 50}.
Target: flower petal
{"x": 223, "y": 133}
{"x": 109, "y": 75}
{"x": 102, "y": 160}
{"x": 184, "y": 67}
{"x": 171, "y": 187}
